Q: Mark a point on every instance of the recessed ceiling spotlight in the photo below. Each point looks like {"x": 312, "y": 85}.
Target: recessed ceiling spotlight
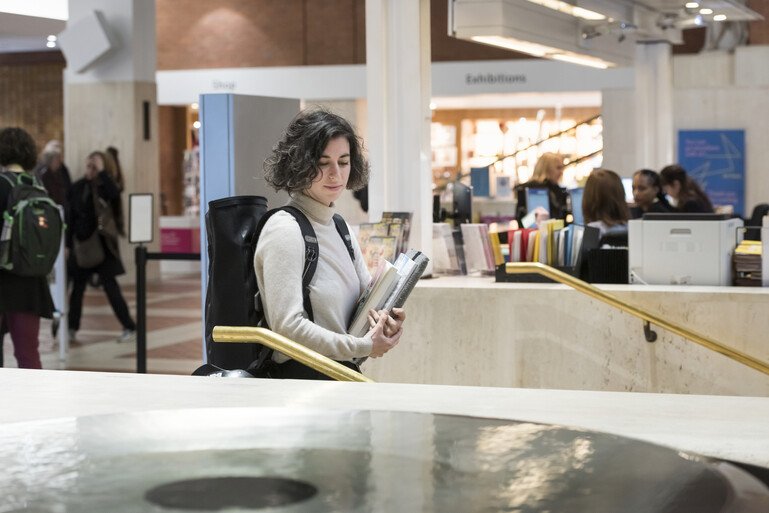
{"x": 719, "y": 17}
{"x": 706, "y": 11}
{"x": 691, "y": 5}
{"x": 51, "y": 44}
{"x": 52, "y": 38}
{"x": 194, "y": 106}
{"x": 196, "y": 125}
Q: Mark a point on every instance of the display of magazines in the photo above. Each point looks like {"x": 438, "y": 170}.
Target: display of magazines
{"x": 384, "y": 240}
{"x": 447, "y": 258}
{"x": 389, "y": 288}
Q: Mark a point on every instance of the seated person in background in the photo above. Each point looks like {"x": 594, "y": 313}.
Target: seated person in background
{"x": 648, "y": 194}
{"x": 603, "y": 203}
{"x": 547, "y": 173}
{"x": 687, "y": 194}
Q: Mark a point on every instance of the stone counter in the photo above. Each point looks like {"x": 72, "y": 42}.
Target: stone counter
{"x": 473, "y": 331}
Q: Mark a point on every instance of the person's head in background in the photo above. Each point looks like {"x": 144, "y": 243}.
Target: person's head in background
{"x": 320, "y": 155}
{"x": 647, "y": 189}
{"x": 17, "y": 147}
{"x": 51, "y": 159}
{"x": 604, "y": 198}
{"x": 549, "y": 167}
{"x": 686, "y": 192}
{"x": 94, "y": 164}
{"x": 112, "y": 168}
{"x": 112, "y": 153}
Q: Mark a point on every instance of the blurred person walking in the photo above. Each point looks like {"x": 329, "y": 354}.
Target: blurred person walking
{"x": 23, "y": 299}
{"x": 54, "y": 174}
{"x": 93, "y": 239}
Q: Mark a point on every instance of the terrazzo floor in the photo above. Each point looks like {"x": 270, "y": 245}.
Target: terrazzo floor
{"x": 174, "y": 332}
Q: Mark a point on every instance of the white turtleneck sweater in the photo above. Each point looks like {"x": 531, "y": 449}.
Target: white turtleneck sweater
{"x": 279, "y": 261}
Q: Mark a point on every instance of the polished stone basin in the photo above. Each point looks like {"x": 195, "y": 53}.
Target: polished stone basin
{"x": 358, "y": 461}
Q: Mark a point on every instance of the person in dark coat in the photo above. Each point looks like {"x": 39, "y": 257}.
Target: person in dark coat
{"x": 547, "y": 174}
{"x": 83, "y": 221}
{"x": 23, "y": 299}
{"x": 53, "y": 174}
{"x": 687, "y": 193}
{"x": 648, "y": 194}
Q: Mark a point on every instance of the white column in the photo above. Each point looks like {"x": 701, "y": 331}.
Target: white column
{"x": 398, "y": 95}
{"x": 655, "y": 138}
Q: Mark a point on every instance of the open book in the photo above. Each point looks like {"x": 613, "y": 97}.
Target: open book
{"x": 389, "y": 288}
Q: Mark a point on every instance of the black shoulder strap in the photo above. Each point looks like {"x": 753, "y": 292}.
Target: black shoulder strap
{"x": 341, "y": 227}
{"x": 310, "y": 249}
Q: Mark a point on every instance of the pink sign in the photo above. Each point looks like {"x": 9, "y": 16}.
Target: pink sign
{"x": 179, "y": 240}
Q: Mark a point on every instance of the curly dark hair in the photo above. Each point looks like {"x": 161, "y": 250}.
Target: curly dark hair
{"x": 293, "y": 165}
{"x": 17, "y": 147}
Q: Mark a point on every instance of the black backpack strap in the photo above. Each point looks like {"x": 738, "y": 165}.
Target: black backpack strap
{"x": 341, "y": 227}
{"x": 311, "y": 251}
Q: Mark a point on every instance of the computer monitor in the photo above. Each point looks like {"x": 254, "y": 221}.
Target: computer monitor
{"x": 537, "y": 197}
{"x": 462, "y": 203}
{"x": 576, "y": 205}
{"x": 627, "y": 184}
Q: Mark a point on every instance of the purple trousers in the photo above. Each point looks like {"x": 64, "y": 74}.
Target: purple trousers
{"x": 24, "y": 328}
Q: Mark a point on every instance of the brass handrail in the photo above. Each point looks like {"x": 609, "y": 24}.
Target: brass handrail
{"x": 596, "y": 293}
{"x": 298, "y": 352}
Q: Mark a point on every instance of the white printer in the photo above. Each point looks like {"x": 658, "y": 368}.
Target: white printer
{"x": 678, "y": 249}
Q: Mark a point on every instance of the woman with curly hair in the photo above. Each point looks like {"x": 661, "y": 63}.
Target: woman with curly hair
{"x": 23, "y": 299}
{"x": 318, "y": 158}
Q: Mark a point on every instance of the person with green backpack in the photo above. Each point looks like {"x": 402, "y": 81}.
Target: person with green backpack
{"x": 30, "y": 235}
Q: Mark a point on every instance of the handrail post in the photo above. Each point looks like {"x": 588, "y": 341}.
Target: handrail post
{"x": 140, "y": 255}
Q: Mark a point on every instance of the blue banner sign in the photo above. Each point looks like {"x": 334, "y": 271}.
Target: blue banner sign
{"x": 716, "y": 159}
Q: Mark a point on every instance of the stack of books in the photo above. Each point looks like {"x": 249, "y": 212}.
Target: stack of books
{"x": 747, "y": 264}
{"x": 389, "y": 288}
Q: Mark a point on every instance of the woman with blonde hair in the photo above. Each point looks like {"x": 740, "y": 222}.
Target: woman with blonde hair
{"x": 548, "y": 172}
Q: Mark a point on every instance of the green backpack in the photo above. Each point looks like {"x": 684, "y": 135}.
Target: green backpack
{"x": 32, "y": 228}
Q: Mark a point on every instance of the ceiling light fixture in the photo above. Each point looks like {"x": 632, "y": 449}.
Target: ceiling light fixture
{"x": 545, "y": 52}
{"x": 51, "y": 44}
{"x": 51, "y": 38}
{"x": 719, "y": 17}
{"x": 582, "y": 60}
{"x": 565, "y": 7}
{"x": 691, "y": 5}
{"x": 706, "y": 11}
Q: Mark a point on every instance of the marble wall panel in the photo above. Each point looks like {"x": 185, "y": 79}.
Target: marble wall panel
{"x": 471, "y": 331}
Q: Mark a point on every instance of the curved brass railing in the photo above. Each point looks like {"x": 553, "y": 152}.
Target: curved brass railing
{"x": 596, "y": 293}
{"x": 300, "y": 353}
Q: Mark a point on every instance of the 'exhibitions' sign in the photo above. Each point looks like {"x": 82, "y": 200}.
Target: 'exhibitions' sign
{"x": 716, "y": 159}
{"x": 494, "y": 78}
